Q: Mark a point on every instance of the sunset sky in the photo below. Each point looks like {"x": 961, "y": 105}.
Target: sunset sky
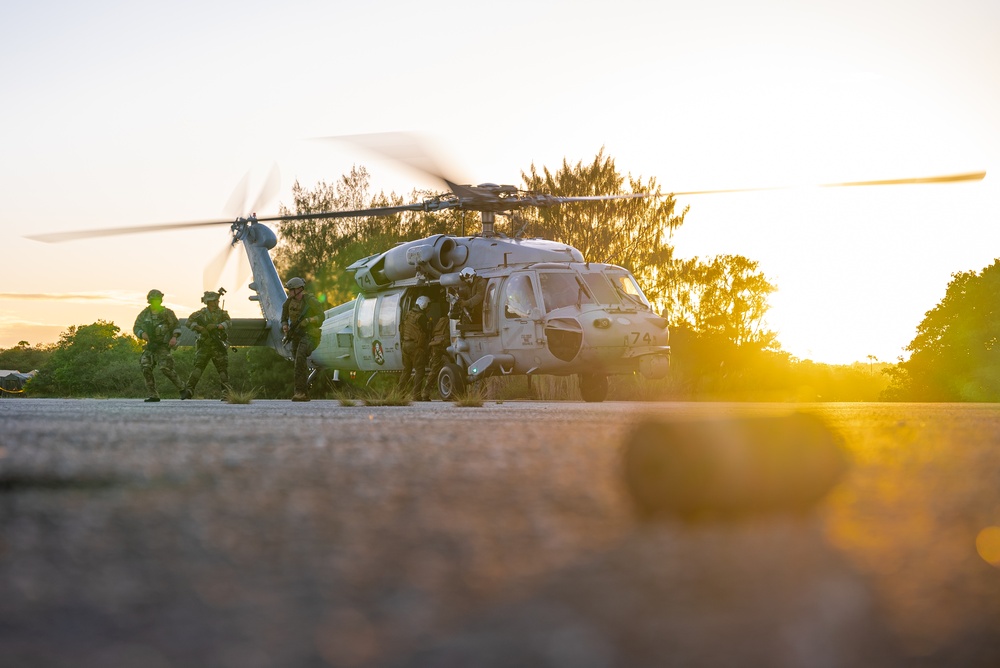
{"x": 118, "y": 113}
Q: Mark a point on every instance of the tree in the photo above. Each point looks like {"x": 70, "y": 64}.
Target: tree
{"x": 25, "y": 357}
{"x": 91, "y": 360}
{"x": 955, "y": 355}
{"x": 726, "y": 297}
{"x": 632, "y": 233}
{"x": 320, "y": 250}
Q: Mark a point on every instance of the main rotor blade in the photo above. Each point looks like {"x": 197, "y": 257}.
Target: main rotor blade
{"x": 58, "y": 237}
{"x": 946, "y": 178}
{"x": 600, "y": 198}
{"x": 433, "y": 205}
{"x": 406, "y": 148}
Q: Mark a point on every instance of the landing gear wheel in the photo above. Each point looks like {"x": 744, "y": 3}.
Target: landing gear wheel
{"x": 451, "y": 381}
{"x": 593, "y": 388}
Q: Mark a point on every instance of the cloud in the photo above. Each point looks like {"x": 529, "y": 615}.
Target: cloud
{"x": 128, "y": 298}
{"x": 13, "y": 331}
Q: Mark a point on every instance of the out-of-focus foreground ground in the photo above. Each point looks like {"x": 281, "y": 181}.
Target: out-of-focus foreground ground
{"x": 279, "y": 534}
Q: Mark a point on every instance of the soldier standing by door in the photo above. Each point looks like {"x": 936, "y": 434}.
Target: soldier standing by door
{"x": 212, "y": 326}
{"x": 415, "y": 347}
{"x": 440, "y": 339}
{"x": 158, "y": 327}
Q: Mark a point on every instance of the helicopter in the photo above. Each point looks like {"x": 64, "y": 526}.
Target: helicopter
{"x": 546, "y": 309}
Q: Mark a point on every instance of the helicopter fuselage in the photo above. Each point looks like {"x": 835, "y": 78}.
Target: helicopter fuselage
{"x": 552, "y": 314}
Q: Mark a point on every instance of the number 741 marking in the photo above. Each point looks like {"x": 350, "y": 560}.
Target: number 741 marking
{"x": 632, "y": 338}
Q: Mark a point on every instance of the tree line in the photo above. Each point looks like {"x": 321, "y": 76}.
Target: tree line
{"x": 716, "y": 307}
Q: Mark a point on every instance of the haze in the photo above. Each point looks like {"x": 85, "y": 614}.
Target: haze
{"x": 121, "y": 114}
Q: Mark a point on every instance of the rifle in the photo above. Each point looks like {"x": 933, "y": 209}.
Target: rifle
{"x": 456, "y": 312}
{"x": 291, "y": 330}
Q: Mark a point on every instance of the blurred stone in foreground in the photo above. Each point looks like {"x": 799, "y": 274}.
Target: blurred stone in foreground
{"x": 732, "y": 468}
{"x": 767, "y": 591}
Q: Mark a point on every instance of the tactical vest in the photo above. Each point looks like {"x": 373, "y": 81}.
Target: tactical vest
{"x": 162, "y": 329}
{"x": 295, "y": 308}
{"x": 206, "y": 318}
{"x": 413, "y": 327}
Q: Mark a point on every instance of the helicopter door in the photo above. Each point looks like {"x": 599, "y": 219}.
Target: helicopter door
{"x": 388, "y": 330}
{"x": 520, "y": 326}
{"x": 376, "y": 330}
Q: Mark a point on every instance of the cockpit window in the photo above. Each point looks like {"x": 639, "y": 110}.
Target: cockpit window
{"x": 628, "y": 288}
{"x": 563, "y": 289}
{"x": 520, "y": 297}
{"x": 602, "y": 290}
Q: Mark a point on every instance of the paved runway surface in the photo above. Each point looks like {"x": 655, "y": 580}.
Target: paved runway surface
{"x": 199, "y": 533}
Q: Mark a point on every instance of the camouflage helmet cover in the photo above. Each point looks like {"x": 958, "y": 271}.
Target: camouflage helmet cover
{"x": 209, "y": 296}
{"x": 295, "y": 282}
{"x": 153, "y": 294}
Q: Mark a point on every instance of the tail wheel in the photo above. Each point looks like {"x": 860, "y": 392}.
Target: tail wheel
{"x": 593, "y": 387}
{"x": 451, "y": 381}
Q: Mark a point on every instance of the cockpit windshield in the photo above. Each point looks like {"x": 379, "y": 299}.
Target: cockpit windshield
{"x": 600, "y": 288}
{"x": 627, "y": 287}
{"x": 561, "y": 289}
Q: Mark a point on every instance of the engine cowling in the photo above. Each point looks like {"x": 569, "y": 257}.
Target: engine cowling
{"x": 429, "y": 257}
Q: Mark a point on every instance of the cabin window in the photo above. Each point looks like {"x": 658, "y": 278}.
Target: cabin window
{"x": 602, "y": 290}
{"x": 519, "y": 299}
{"x": 489, "y": 318}
{"x": 388, "y": 311}
{"x": 628, "y": 287}
{"x": 563, "y": 289}
{"x": 366, "y": 318}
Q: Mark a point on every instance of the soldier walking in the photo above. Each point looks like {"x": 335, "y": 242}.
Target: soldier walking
{"x": 158, "y": 327}
{"x": 211, "y": 323}
{"x": 415, "y": 347}
{"x": 301, "y": 317}
{"x": 436, "y": 347}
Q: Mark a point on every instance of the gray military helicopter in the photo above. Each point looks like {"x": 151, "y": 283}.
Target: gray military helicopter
{"x": 546, "y": 309}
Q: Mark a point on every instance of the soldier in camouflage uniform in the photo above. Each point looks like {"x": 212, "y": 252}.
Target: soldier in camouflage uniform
{"x": 212, "y": 326}
{"x": 301, "y": 317}
{"x": 471, "y": 293}
{"x": 414, "y": 332}
{"x": 440, "y": 340}
{"x": 158, "y": 327}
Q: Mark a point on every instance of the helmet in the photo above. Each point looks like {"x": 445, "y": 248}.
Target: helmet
{"x": 423, "y": 301}
{"x": 467, "y": 274}
{"x": 295, "y": 283}
{"x": 210, "y": 297}
{"x": 153, "y": 294}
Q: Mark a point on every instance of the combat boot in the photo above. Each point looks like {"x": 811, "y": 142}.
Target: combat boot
{"x": 153, "y": 398}
{"x": 186, "y": 394}
{"x": 298, "y": 396}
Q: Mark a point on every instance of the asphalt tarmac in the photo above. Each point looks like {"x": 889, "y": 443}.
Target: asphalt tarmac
{"x": 200, "y": 533}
